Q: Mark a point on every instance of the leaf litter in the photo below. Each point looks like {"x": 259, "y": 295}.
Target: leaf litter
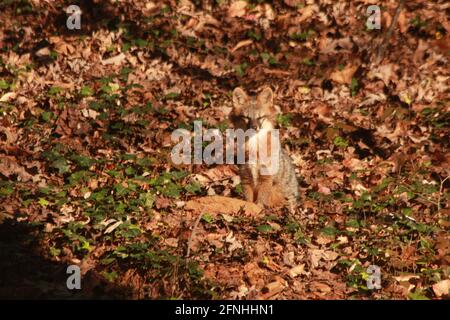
{"x": 86, "y": 118}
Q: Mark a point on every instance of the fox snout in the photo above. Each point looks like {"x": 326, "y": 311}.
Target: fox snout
{"x": 254, "y": 124}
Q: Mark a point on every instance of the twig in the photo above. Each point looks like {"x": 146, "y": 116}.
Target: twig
{"x": 441, "y": 188}
{"x": 388, "y": 34}
{"x": 194, "y": 231}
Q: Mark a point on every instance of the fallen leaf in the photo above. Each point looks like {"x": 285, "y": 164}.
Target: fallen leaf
{"x": 241, "y": 44}
{"x": 7, "y": 97}
{"x": 10, "y": 167}
{"x": 171, "y": 242}
{"x": 237, "y": 9}
{"x": 117, "y": 60}
{"x": 297, "y": 270}
{"x": 344, "y": 76}
{"x": 321, "y": 287}
{"x": 406, "y": 277}
{"x": 442, "y": 288}
{"x": 113, "y": 227}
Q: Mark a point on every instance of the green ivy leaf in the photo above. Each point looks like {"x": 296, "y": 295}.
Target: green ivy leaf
{"x": 265, "y": 228}
{"x": 208, "y": 218}
{"x": 3, "y": 84}
{"x": 340, "y": 142}
{"x": 86, "y": 91}
{"x": 43, "y": 202}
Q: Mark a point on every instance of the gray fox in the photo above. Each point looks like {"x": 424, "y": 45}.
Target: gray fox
{"x": 268, "y": 190}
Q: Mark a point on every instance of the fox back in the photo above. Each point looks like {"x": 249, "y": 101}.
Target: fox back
{"x": 269, "y": 190}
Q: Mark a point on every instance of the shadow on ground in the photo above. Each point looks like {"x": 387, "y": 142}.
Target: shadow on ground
{"x": 25, "y": 274}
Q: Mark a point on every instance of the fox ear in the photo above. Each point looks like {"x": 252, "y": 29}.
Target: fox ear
{"x": 239, "y": 97}
{"x": 266, "y": 97}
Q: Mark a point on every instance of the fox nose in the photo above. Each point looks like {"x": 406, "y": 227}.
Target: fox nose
{"x": 254, "y": 124}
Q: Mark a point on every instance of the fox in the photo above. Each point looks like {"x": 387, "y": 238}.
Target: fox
{"x": 274, "y": 189}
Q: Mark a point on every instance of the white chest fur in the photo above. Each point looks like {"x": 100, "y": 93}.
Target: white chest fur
{"x": 264, "y": 149}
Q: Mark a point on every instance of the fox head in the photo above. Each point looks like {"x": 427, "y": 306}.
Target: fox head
{"x": 253, "y": 112}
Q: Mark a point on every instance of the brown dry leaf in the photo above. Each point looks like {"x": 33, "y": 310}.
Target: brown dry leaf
{"x": 254, "y": 274}
{"x": 116, "y": 60}
{"x": 330, "y": 255}
{"x": 403, "y": 22}
{"x": 268, "y": 11}
{"x": 271, "y": 265}
{"x": 323, "y": 239}
{"x": 307, "y": 12}
{"x": 324, "y": 111}
{"x": 237, "y": 9}
{"x": 89, "y": 113}
{"x": 162, "y": 203}
{"x": 320, "y": 287}
{"x": 298, "y": 270}
{"x": 353, "y": 164}
{"x": 406, "y": 277}
{"x": 241, "y": 44}
{"x": 10, "y": 167}
{"x": 113, "y": 226}
{"x": 344, "y": 76}
{"x": 398, "y": 132}
{"x": 328, "y": 46}
{"x": 232, "y": 276}
{"x": 442, "y": 248}
{"x": 44, "y": 52}
{"x": 4, "y": 216}
{"x": 316, "y": 255}
{"x": 218, "y": 173}
{"x": 61, "y": 46}
{"x": 274, "y": 288}
{"x": 171, "y": 242}
{"x": 7, "y": 97}
{"x": 233, "y": 242}
{"x": 323, "y": 189}
{"x": 386, "y": 73}
{"x": 293, "y": 3}
{"x": 11, "y": 136}
{"x": 342, "y": 239}
{"x": 240, "y": 294}
{"x": 215, "y": 239}
{"x": 442, "y": 288}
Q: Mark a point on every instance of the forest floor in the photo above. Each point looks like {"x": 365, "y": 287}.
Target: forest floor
{"x": 86, "y": 118}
